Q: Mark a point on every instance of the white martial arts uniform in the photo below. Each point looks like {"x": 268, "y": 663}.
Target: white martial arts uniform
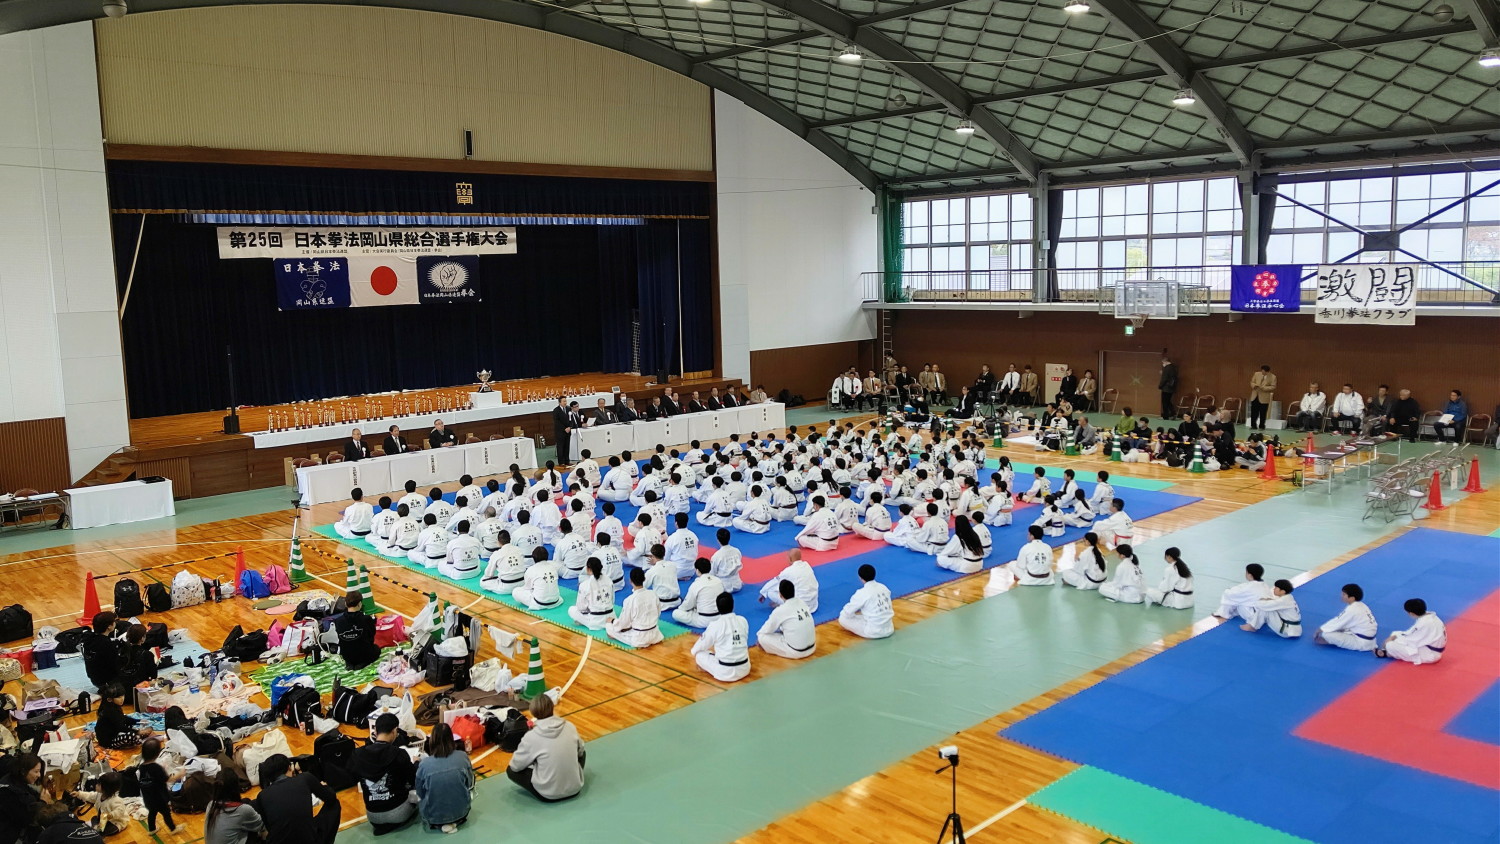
{"x": 1353, "y": 629}
{"x": 432, "y": 547}
{"x": 661, "y": 578}
{"x": 783, "y": 504}
{"x": 545, "y": 517}
{"x": 718, "y": 509}
{"x": 700, "y": 604}
{"x": 617, "y": 484}
{"x": 846, "y": 514}
{"x": 1241, "y": 595}
{"x": 876, "y": 524}
{"x": 582, "y": 524}
{"x": 998, "y": 511}
{"x": 540, "y": 591}
{"x": 572, "y": 554}
{"x": 612, "y": 561}
{"x": 649, "y": 483}
{"x": 1174, "y": 592}
{"x": 356, "y": 521}
{"x": 590, "y": 469}
{"x": 722, "y": 649}
{"x": 803, "y": 581}
{"x": 956, "y": 556}
{"x": 1033, "y": 564}
{"x": 868, "y": 613}
{"x": 639, "y": 623}
{"x": 756, "y": 518}
{"x": 789, "y": 632}
{"x": 986, "y": 540}
{"x": 1040, "y": 489}
{"x": 507, "y": 513}
{"x": 460, "y": 515}
{"x": 505, "y": 572}
{"x": 595, "y": 606}
{"x": 527, "y": 537}
{"x": 488, "y": 534}
{"x": 442, "y": 510}
{"x": 1115, "y": 529}
{"x": 904, "y": 533}
{"x": 1421, "y": 643}
{"x": 462, "y": 560}
{"x": 404, "y": 537}
{"x": 648, "y": 537}
{"x": 1080, "y": 516}
{"x": 611, "y": 526}
{"x": 1052, "y": 521}
{"x": 682, "y": 551}
{"x": 931, "y": 537}
{"x": 1103, "y": 494}
{"x": 1125, "y": 586}
{"x": 1088, "y": 574}
{"x": 821, "y": 533}
{"x": 416, "y": 505}
{"x": 1279, "y": 612}
{"x": 1065, "y": 498}
{"x": 677, "y": 499}
{"x": 380, "y": 529}
{"x": 725, "y": 565}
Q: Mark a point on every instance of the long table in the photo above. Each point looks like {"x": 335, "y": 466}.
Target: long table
{"x": 117, "y": 504}
{"x": 707, "y": 427}
{"x": 374, "y": 430}
{"x": 376, "y": 475}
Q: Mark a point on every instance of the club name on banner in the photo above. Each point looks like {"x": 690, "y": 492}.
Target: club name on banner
{"x": 319, "y": 242}
{"x": 1367, "y": 294}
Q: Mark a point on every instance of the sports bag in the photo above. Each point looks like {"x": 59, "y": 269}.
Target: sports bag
{"x": 390, "y": 630}
{"x": 334, "y": 750}
{"x": 350, "y": 705}
{"x": 298, "y": 705}
{"x": 15, "y": 623}
{"x": 251, "y": 756}
{"x": 252, "y": 585}
{"x": 187, "y": 590}
{"x": 128, "y": 598}
{"x": 156, "y": 635}
{"x": 506, "y": 733}
{"x": 277, "y": 580}
{"x": 468, "y": 731}
{"x": 70, "y": 641}
{"x": 283, "y": 684}
{"x": 158, "y": 599}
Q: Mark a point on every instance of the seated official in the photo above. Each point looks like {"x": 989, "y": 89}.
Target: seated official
{"x": 1348, "y": 411}
{"x": 967, "y": 406}
{"x": 441, "y": 437}
{"x": 1087, "y": 386}
{"x": 355, "y": 447}
{"x": 872, "y": 391}
{"x": 656, "y": 410}
{"x": 715, "y": 401}
{"x": 625, "y": 411}
{"x": 984, "y": 384}
{"x": 759, "y": 395}
{"x": 1406, "y": 416}
{"x": 1377, "y": 410}
{"x": 1310, "y": 417}
{"x": 394, "y": 442}
{"x": 1455, "y": 416}
{"x": 602, "y": 415}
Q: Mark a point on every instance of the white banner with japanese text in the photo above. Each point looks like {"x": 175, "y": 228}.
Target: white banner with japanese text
{"x": 1367, "y": 294}
{"x": 331, "y": 241}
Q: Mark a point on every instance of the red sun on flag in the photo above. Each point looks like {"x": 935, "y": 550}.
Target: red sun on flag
{"x": 383, "y": 280}
{"x": 1265, "y": 283}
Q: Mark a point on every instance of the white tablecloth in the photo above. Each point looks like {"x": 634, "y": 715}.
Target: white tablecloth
{"x": 378, "y": 475}
{"x": 708, "y": 427}
{"x": 374, "y": 429}
{"x": 117, "y": 504}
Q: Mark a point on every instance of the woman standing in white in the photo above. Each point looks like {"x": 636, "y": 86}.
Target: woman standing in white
{"x": 723, "y": 649}
{"x": 1125, "y": 586}
{"x": 595, "y": 607}
{"x": 1175, "y": 591}
{"x": 964, "y": 553}
{"x": 639, "y": 623}
{"x": 868, "y": 613}
{"x": 1421, "y": 643}
{"x": 1252, "y": 590}
{"x": 1280, "y": 612}
{"x": 1033, "y": 563}
{"x": 1089, "y": 573}
{"x": 539, "y": 590}
{"x": 1354, "y": 628}
{"x": 790, "y": 631}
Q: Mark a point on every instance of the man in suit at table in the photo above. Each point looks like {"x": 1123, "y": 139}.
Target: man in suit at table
{"x": 694, "y": 405}
{"x": 441, "y": 437}
{"x": 714, "y": 402}
{"x": 394, "y": 442}
{"x": 669, "y": 403}
{"x": 729, "y": 399}
{"x": 625, "y": 409}
{"x": 603, "y": 415}
{"x": 355, "y": 447}
{"x": 656, "y": 410}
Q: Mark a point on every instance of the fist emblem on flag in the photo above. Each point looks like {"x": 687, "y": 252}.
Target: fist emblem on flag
{"x": 448, "y": 275}
{"x": 1265, "y": 284}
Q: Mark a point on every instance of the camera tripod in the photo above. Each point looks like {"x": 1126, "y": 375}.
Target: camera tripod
{"x": 954, "y": 821}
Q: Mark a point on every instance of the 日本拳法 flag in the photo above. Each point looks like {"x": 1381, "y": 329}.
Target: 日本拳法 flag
{"x": 382, "y": 280}
{"x": 1266, "y": 288}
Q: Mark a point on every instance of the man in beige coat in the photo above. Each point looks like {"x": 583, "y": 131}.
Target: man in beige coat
{"x": 1262, "y": 388}
{"x": 1028, "y": 387}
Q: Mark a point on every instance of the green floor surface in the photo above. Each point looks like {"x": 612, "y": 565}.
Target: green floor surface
{"x": 1127, "y": 810}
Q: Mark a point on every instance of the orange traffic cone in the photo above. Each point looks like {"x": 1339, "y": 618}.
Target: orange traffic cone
{"x": 1435, "y": 494}
{"x": 1268, "y": 472}
{"x": 1473, "y": 484}
{"x": 239, "y": 564}
{"x": 90, "y": 602}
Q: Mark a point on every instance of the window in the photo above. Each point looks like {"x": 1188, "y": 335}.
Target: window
{"x": 977, "y": 242}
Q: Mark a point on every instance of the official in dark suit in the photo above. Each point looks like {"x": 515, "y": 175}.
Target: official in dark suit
{"x": 625, "y": 411}
{"x": 1168, "y": 387}
{"x": 355, "y": 447}
{"x": 655, "y": 410}
{"x": 441, "y": 437}
{"x": 394, "y": 442}
{"x": 730, "y": 400}
{"x": 694, "y": 405}
{"x": 603, "y": 415}
{"x": 714, "y": 402}
{"x": 968, "y": 402}
{"x": 560, "y": 426}
{"x": 669, "y": 404}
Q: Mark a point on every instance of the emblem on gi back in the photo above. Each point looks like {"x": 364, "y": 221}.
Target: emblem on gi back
{"x": 448, "y": 275}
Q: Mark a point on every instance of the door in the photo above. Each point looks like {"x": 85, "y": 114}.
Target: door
{"x": 1135, "y": 375}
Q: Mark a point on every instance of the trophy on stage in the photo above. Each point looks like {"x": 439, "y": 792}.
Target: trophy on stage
{"x": 484, "y": 380}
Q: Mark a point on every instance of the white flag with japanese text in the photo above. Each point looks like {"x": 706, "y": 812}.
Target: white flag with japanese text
{"x": 1367, "y": 294}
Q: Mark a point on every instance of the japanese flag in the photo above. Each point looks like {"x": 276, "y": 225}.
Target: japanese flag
{"x": 382, "y": 280}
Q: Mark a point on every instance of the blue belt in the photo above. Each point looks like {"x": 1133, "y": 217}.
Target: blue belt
{"x": 1366, "y": 638}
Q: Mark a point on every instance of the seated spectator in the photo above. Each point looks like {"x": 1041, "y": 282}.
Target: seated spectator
{"x": 230, "y": 819}
{"x": 57, "y": 825}
{"x": 101, "y": 653}
{"x": 445, "y": 779}
{"x": 1348, "y": 409}
{"x": 356, "y": 633}
{"x": 387, "y": 777}
{"x": 285, "y": 803}
{"x": 1450, "y": 425}
{"x": 1126, "y": 423}
{"x": 1406, "y": 416}
{"x": 550, "y": 759}
{"x": 114, "y": 729}
{"x": 20, "y": 798}
{"x": 137, "y": 662}
{"x": 1310, "y": 417}
{"x": 1377, "y": 411}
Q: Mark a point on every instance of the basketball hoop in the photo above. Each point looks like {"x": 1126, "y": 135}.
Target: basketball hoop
{"x": 1136, "y": 321}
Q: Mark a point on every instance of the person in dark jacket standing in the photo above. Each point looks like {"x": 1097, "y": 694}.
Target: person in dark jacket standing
{"x": 101, "y": 653}
{"x": 20, "y": 798}
{"x": 1168, "y": 386}
{"x": 356, "y": 633}
{"x": 287, "y": 807}
{"x": 387, "y": 778}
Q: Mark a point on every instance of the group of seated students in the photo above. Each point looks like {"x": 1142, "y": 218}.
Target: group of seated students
{"x": 1381, "y": 413}
{"x": 1259, "y": 604}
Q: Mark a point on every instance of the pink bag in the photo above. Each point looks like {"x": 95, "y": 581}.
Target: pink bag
{"x": 275, "y": 634}
{"x": 390, "y": 630}
{"x": 277, "y": 580}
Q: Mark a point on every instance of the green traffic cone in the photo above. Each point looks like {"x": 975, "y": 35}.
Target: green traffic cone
{"x": 536, "y": 684}
{"x": 368, "y": 605}
{"x": 1114, "y": 452}
{"x": 351, "y": 577}
{"x": 1070, "y": 448}
{"x": 295, "y": 566}
{"x": 1196, "y": 467}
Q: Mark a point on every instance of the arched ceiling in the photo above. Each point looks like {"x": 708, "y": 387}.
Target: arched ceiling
{"x": 1048, "y": 93}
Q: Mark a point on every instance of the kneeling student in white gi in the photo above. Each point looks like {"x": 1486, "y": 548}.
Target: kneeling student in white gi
{"x": 868, "y": 613}
{"x": 1126, "y": 586}
{"x": 1116, "y": 528}
{"x": 612, "y": 560}
{"x": 718, "y": 506}
{"x": 488, "y": 534}
{"x": 1420, "y": 644}
{"x": 462, "y": 559}
{"x": 1089, "y": 573}
{"x": 381, "y": 524}
{"x": 617, "y": 482}
{"x": 723, "y": 649}
{"x": 757, "y": 515}
{"x": 1082, "y": 514}
{"x": 846, "y": 514}
{"x": 595, "y": 607}
{"x": 905, "y": 530}
{"x": 1051, "y": 521}
{"x": 802, "y": 577}
{"x": 463, "y": 513}
{"x": 700, "y": 606}
{"x": 727, "y": 562}
{"x": 432, "y": 544}
{"x": 404, "y": 534}
{"x": 507, "y": 568}
{"x": 661, "y": 577}
{"x": 790, "y": 631}
{"x": 1245, "y": 594}
{"x": 1280, "y": 612}
{"x": 983, "y": 532}
{"x": 540, "y": 590}
{"x": 783, "y": 501}
{"x": 526, "y": 536}
{"x": 964, "y": 553}
{"x": 639, "y": 623}
{"x": 821, "y": 533}
{"x": 877, "y": 518}
{"x": 1354, "y": 628}
{"x": 571, "y": 551}
{"x": 439, "y": 506}
{"x": 1033, "y": 563}
{"x": 357, "y": 517}
{"x": 1175, "y": 591}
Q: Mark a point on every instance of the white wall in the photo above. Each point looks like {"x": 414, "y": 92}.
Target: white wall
{"x": 59, "y": 333}
{"x": 795, "y": 232}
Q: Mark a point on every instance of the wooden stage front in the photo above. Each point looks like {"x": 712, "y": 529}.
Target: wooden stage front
{"x": 201, "y": 460}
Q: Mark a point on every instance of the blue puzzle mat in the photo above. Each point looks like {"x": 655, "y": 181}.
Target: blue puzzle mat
{"x": 1212, "y": 719}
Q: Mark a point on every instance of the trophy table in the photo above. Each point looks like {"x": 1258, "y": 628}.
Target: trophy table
{"x": 485, "y": 396}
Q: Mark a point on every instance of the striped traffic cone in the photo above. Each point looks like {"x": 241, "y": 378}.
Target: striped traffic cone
{"x": 369, "y": 606}
{"x": 1196, "y": 467}
{"x": 1071, "y": 448}
{"x": 295, "y": 566}
{"x": 351, "y": 577}
{"x": 1114, "y": 451}
{"x": 536, "y": 684}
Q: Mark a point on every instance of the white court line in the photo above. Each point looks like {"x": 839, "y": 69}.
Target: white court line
{"x": 1006, "y": 811}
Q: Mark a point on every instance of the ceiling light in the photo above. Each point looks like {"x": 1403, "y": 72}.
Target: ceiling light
{"x": 896, "y": 101}
{"x": 700, "y": 2}
{"x": 115, "y": 8}
{"x": 1184, "y": 98}
{"x": 851, "y": 55}
{"x": 1489, "y": 58}
{"x": 1076, "y": 7}
{"x": 965, "y": 127}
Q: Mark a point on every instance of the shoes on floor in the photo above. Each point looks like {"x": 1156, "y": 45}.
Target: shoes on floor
{"x": 449, "y": 828}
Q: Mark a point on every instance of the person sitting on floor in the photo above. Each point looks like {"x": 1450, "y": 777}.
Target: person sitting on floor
{"x": 1089, "y": 572}
{"x": 550, "y": 759}
{"x": 357, "y": 517}
{"x": 821, "y": 533}
{"x": 757, "y": 515}
{"x": 700, "y": 604}
{"x": 1420, "y": 644}
{"x": 1244, "y": 594}
{"x": 432, "y": 542}
{"x": 114, "y": 729}
{"x": 868, "y": 613}
{"x": 727, "y": 562}
{"x": 682, "y": 548}
{"x": 356, "y": 632}
{"x": 964, "y": 552}
{"x": 595, "y": 606}
{"x": 661, "y": 577}
{"x": 790, "y": 631}
{"x": 464, "y": 551}
{"x": 1354, "y": 628}
{"x": 1041, "y": 487}
{"x": 1280, "y": 611}
{"x": 444, "y": 782}
{"x": 1175, "y": 591}
{"x": 571, "y": 551}
{"x": 723, "y": 649}
{"x": 405, "y": 533}
{"x": 506, "y": 569}
{"x": 539, "y": 589}
{"x": 611, "y": 525}
{"x": 439, "y": 507}
{"x": 1033, "y": 563}
{"x": 802, "y": 577}
{"x": 639, "y": 622}
{"x": 1126, "y": 587}
{"x": 387, "y": 777}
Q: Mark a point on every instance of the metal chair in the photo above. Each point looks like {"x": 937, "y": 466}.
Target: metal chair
{"x": 1108, "y": 401}
{"x": 1235, "y": 406}
{"x": 1186, "y": 404}
{"x": 1425, "y": 424}
{"x": 1479, "y": 423}
{"x": 1203, "y": 404}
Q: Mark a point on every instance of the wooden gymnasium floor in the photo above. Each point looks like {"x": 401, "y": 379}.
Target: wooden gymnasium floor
{"x": 616, "y": 689}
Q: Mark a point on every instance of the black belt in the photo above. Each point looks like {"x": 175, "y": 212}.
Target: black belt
{"x": 550, "y": 606}
{"x": 759, "y": 522}
{"x": 358, "y": 533}
{"x": 733, "y": 664}
{"x": 520, "y": 579}
{"x": 1189, "y": 592}
{"x": 600, "y": 612}
{"x": 1363, "y": 636}
{"x": 1433, "y": 648}
{"x": 438, "y": 557}
{"x": 1285, "y": 623}
{"x": 803, "y": 650}
{"x": 643, "y": 629}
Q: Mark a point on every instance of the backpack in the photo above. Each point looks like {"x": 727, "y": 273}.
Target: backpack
{"x": 128, "y": 598}
{"x": 156, "y": 635}
{"x": 334, "y": 749}
{"x": 15, "y": 623}
{"x": 298, "y": 705}
{"x": 390, "y": 630}
{"x": 187, "y": 590}
{"x": 506, "y": 733}
{"x": 350, "y": 705}
{"x": 70, "y": 641}
{"x": 252, "y": 585}
{"x": 246, "y": 647}
{"x": 315, "y": 608}
{"x": 277, "y": 580}
{"x": 158, "y": 599}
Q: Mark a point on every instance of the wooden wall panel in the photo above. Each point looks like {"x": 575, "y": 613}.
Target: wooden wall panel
{"x": 805, "y": 370}
{"x": 1218, "y": 357}
{"x": 179, "y": 470}
{"x": 35, "y": 455}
